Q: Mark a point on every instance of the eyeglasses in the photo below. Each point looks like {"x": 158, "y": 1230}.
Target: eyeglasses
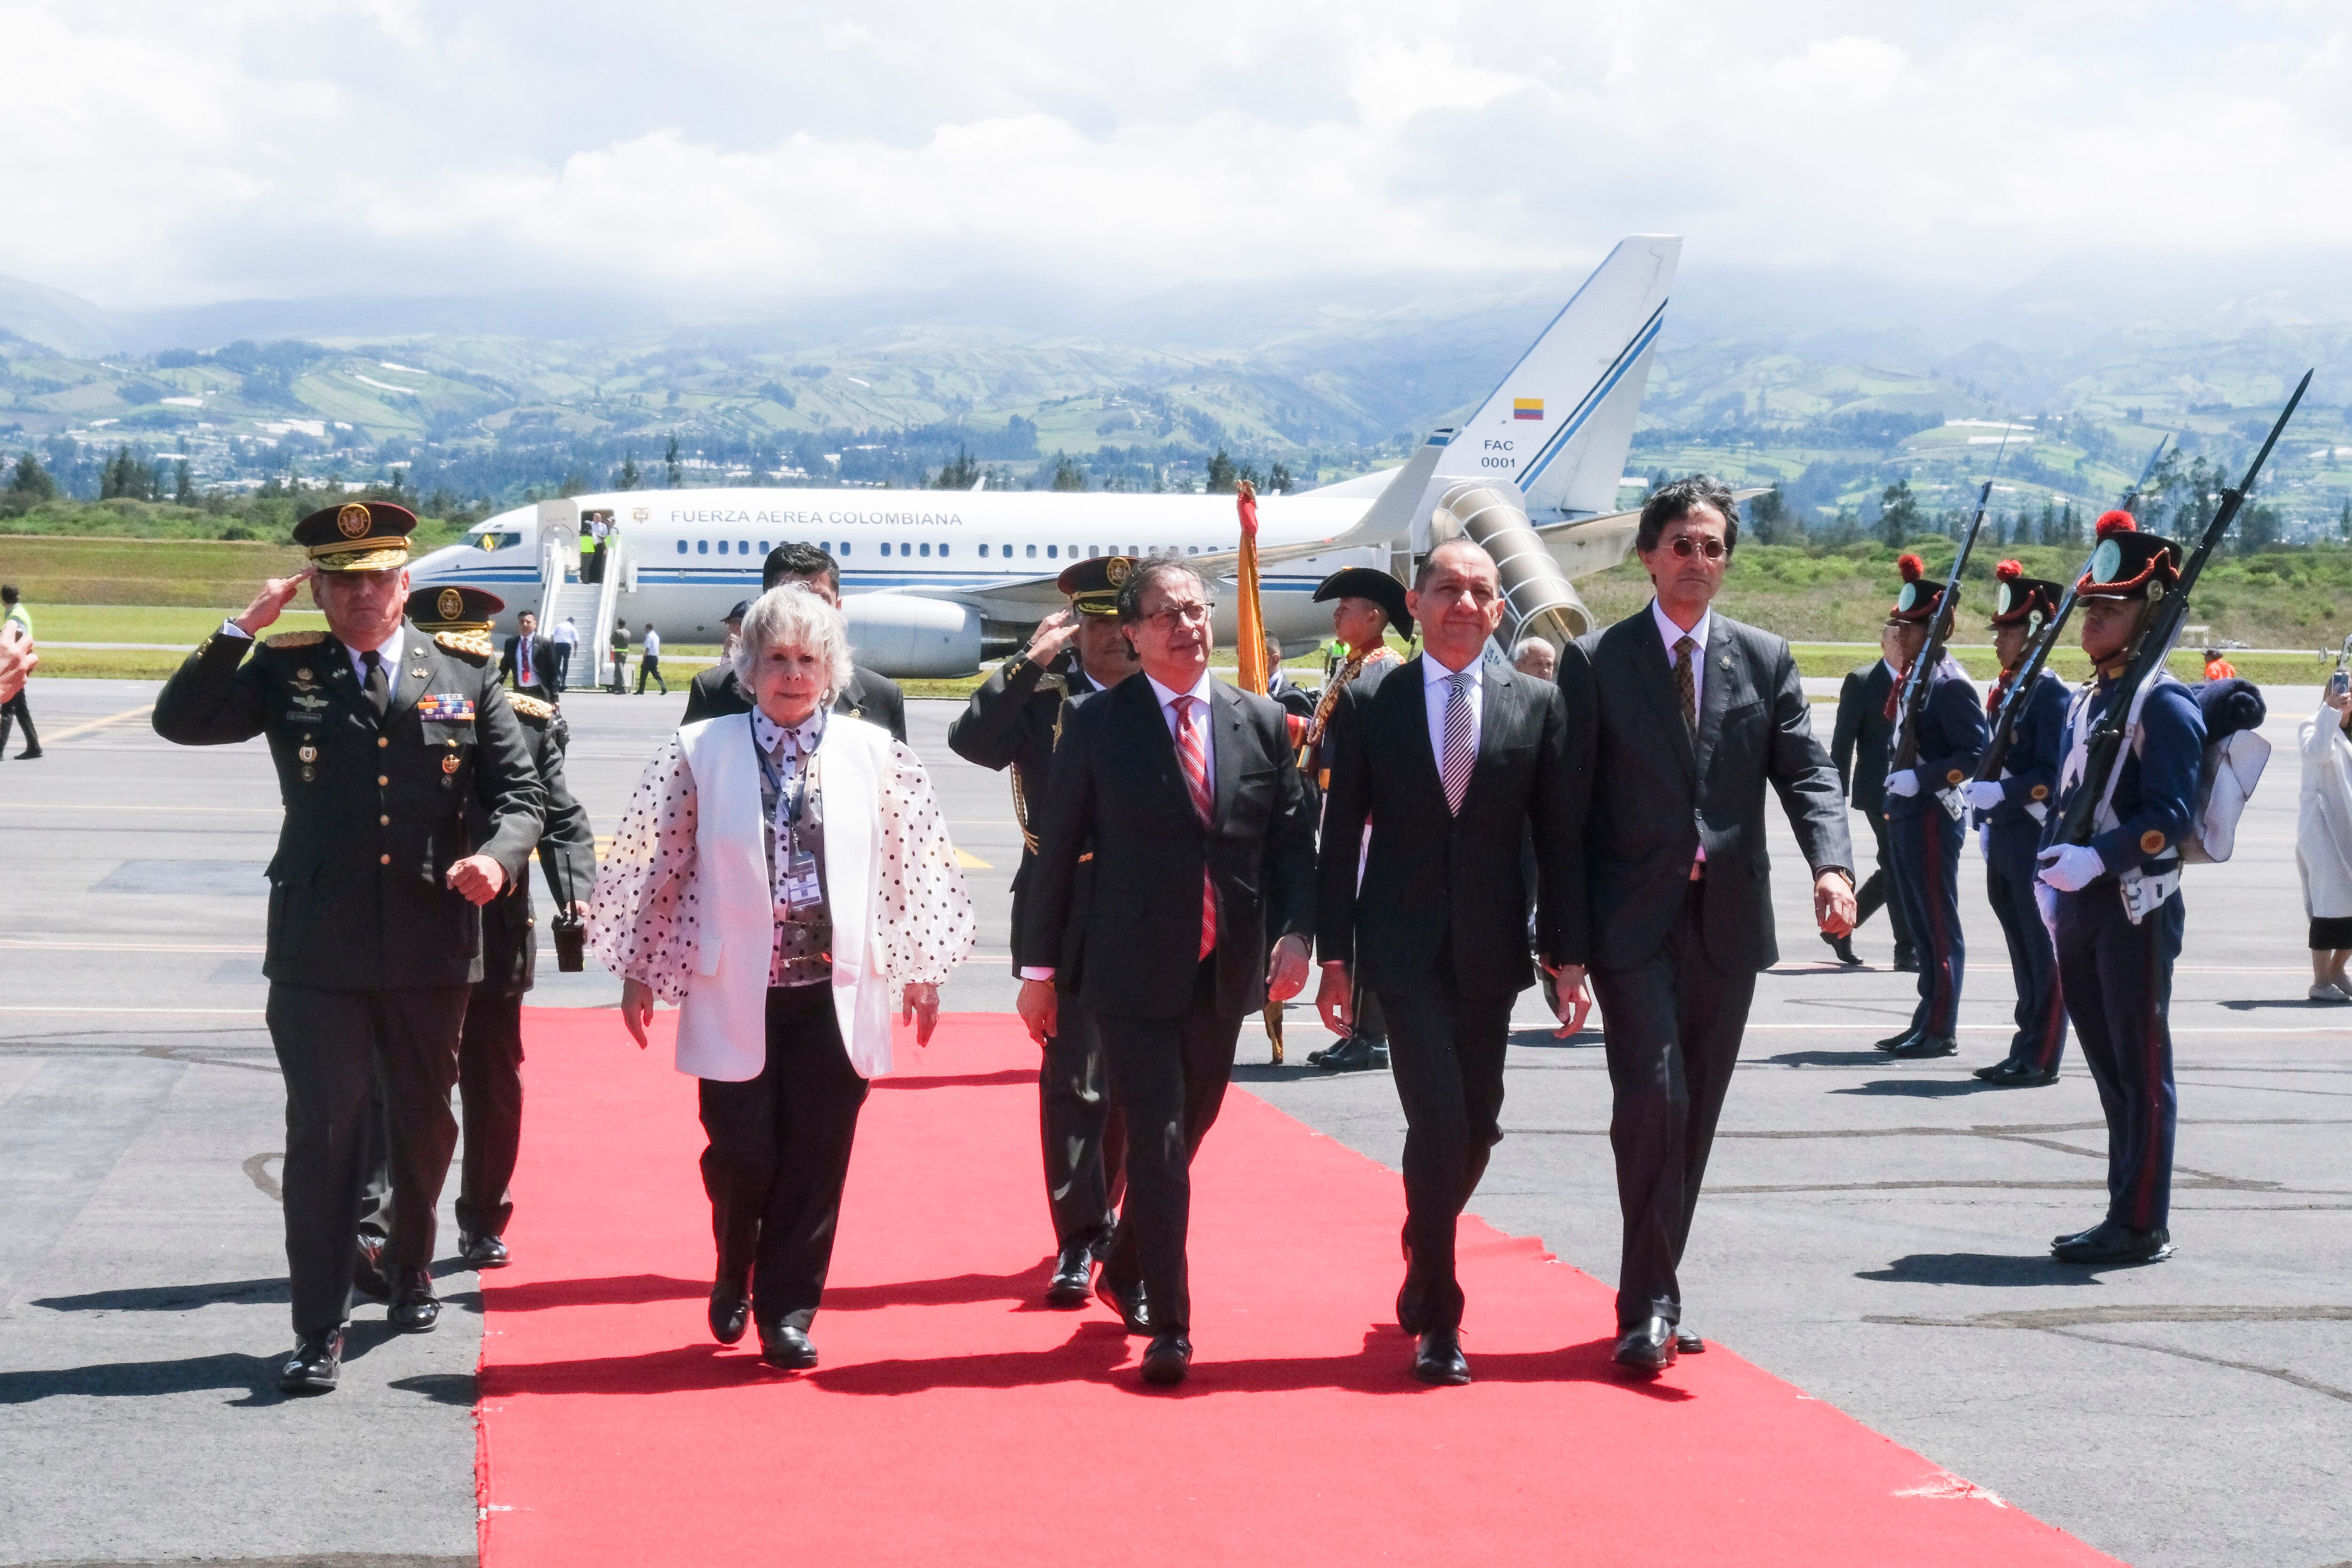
{"x": 1180, "y": 615}
{"x": 1686, "y": 546}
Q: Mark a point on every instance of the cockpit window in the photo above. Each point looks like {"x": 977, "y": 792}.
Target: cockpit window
{"x": 489, "y": 541}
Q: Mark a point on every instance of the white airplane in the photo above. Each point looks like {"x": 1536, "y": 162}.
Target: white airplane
{"x": 934, "y": 581}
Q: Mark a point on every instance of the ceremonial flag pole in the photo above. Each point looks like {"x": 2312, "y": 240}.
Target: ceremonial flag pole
{"x": 1250, "y": 618}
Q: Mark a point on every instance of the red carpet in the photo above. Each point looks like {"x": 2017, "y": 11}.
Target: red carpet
{"x": 953, "y": 1422}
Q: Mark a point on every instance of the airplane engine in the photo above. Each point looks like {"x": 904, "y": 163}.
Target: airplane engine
{"x": 902, "y": 636}
{"x": 1539, "y": 599}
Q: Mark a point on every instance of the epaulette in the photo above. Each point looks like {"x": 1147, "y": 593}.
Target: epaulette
{"x": 531, "y": 707}
{"x": 296, "y": 640}
{"x": 471, "y": 644}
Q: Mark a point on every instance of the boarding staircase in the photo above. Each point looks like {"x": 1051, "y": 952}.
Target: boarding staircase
{"x": 592, "y": 606}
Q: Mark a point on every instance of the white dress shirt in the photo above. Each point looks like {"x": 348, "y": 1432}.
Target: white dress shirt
{"x": 1435, "y": 687}
{"x": 524, "y": 674}
{"x": 389, "y": 650}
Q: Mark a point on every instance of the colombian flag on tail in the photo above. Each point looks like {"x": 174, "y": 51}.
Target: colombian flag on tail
{"x": 1527, "y": 407}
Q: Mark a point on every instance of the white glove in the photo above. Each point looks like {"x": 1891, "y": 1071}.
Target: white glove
{"x": 1984, "y": 793}
{"x": 1905, "y": 782}
{"x": 2071, "y": 868}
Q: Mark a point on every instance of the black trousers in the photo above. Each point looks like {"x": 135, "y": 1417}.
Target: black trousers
{"x": 1446, "y": 1052}
{"x": 1875, "y": 895}
{"x": 330, "y": 1044}
{"x": 1083, "y": 1134}
{"x": 489, "y": 1091}
{"x": 2041, "y": 1014}
{"x": 16, "y": 711}
{"x": 1169, "y": 1077}
{"x": 779, "y": 1155}
{"x": 562, "y": 663}
{"x": 1671, "y": 1026}
{"x": 649, "y": 668}
{"x": 1927, "y": 845}
{"x": 2118, "y": 983}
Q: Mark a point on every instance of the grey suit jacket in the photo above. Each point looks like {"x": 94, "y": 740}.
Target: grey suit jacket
{"x": 1657, "y": 798}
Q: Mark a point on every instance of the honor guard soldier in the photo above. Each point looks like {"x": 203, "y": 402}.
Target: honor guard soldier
{"x": 1014, "y": 721}
{"x": 2119, "y": 913}
{"x": 2010, "y": 811}
{"x": 385, "y": 742}
{"x": 1924, "y": 818}
{"x": 1365, "y": 604}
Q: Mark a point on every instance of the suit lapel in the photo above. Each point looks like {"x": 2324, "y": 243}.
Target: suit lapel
{"x": 1715, "y": 691}
{"x": 1152, "y": 742}
{"x": 1225, "y": 748}
{"x": 414, "y": 673}
{"x": 1410, "y": 707}
{"x": 1657, "y": 675}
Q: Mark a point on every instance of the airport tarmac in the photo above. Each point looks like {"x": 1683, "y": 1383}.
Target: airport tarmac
{"x": 1875, "y": 1231}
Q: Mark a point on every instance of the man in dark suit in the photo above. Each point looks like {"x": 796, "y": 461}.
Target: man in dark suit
{"x": 1858, "y": 746}
{"x": 869, "y": 694}
{"x": 530, "y": 661}
{"x": 386, "y": 742}
{"x": 1010, "y": 723}
{"x": 1181, "y": 790}
{"x": 1455, "y": 762}
{"x": 1689, "y": 715}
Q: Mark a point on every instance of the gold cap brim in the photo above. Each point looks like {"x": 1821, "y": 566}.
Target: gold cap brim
{"x": 1096, "y": 604}
{"x": 361, "y": 557}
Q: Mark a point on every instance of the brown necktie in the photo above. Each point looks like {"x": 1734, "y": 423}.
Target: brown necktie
{"x": 1686, "y": 684}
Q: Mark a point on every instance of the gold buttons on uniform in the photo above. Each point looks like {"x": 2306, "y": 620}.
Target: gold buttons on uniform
{"x": 383, "y": 860}
{"x": 384, "y": 778}
{"x": 384, "y": 739}
{"x": 384, "y": 822}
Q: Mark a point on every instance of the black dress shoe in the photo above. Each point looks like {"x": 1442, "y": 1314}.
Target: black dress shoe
{"x": 368, "y": 1276}
{"x": 1167, "y": 1359}
{"x": 1919, "y": 1047}
{"x": 1073, "y": 1276}
{"x": 1896, "y": 1042}
{"x": 1133, "y": 1310}
{"x": 317, "y": 1361}
{"x": 1410, "y": 1310}
{"x": 2010, "y": 1073}
{"x": 29, "y": 756}
{"x": 2108, "y": 1243}
{"x": 482, "y": 1251}
{"x": 1843, "y": 947}
{"x": 1906, "y": 961}
{"x": 414, "y": 1309}
{"x": 1648, "y": 1347}
{"x": 1351, "y": 1054}
{"x": 730, "y": 1310}
{"x": 786, "y": 1349}
{"x": 1686, "y": 1342}
{"x": 1439, "y": 1359}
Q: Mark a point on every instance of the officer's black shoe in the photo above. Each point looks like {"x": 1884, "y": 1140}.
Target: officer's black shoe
{"x": 1351, "y": 1054}
{"x": 1410, "y": 1310}
{"x": 786, "y": 1349}
{"x": 368, "y": 1276}
{"x": 1922, "y": 1045}
{"x": 1133, "y": 1310}
{"x": 1843, "y": 947}
{"x": 730, "y": 1310}
{"x": 2010, "y": 1073}
{"x": 316, "y": 1364}
{"x": 1438, "y": 1358}
{"x": 1687, "y": 1341}
{"x": 1896, "y": 1042}
{"x": 2108, "y": 1243}
{"x": 482, "y": 1251}
{"x": 414, "y": 1309}
{"x": 1167, "y": 1359}
{"x": 29, "y": 756}
{"x": 1647, "y": 1348}
{"x": 1073, "y": 1276}
{"x": 1906, "y": 961}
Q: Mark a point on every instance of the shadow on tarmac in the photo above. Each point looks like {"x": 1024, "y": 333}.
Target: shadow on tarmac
{"x": 1978, "y": 1269}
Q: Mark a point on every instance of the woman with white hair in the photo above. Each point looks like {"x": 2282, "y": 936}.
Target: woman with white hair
{"x": 777, "y": 874}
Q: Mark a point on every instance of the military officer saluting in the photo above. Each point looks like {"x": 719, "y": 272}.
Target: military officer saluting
{"x": 1014, "y": 721}
{"x": 2119, "y": 915}
{"x": 1923, "y": 836}
{"x": 382, "y": 738}
{"x": 2010, "y": 811}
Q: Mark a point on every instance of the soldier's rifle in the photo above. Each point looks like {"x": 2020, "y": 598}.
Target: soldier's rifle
{"x": 2013, "y": 703}
{"x": 2167, "y": 613}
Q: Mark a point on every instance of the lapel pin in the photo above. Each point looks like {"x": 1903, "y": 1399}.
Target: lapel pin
{"x": 1724, "y": 662}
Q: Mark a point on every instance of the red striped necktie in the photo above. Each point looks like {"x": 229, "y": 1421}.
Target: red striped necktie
{"x": 1196, "y": 779}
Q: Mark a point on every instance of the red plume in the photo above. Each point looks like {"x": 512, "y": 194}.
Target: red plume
{"x": 1911, "y": 566}
{"x": 2009, "y": 571}
{"x": 2115, "y": 523}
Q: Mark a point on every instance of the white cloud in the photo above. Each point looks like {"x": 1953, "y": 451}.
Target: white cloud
{"x": 167, "y": 153}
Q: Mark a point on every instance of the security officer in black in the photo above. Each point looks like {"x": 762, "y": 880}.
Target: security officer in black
{"x": 868, "y": 694}
{"x": 384, "y": 738}
{"x": 2010, "y": 811}
{"x": 2119, "y": 919}
{"x": 1014, "y": 721}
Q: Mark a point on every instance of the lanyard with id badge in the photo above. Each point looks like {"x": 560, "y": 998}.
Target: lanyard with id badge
{"x": 802, "y": 883}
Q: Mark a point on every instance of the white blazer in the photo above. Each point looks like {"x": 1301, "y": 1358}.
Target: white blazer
{"x": 722, "y": 1026}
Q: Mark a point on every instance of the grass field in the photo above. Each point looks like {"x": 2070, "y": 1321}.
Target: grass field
{"x": 139, "y": 572}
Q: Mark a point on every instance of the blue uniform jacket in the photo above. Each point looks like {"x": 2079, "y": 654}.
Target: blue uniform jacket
{"x": 2031, "y": 770}
{"x": 1952, "y": 736}
{"x": 2156, "y": 798}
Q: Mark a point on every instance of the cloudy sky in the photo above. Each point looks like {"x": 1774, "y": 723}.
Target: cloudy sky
{"x": 180, "y": 152}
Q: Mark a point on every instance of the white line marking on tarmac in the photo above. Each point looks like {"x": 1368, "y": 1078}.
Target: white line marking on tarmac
{"x": 102, "y": 723}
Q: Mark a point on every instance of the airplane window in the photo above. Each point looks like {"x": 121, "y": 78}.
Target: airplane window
{"x": 1050, "y": 550}
{"x": 1008, "y": 553}
{"x": 681, "y": 547}
{"x": 885, "y": 547}
{"x": 1191, "y": 550}
{"x": 722, "y": 547}
{"x": 943, "y": 549}
{"x": 983, "y": 553}
{"x": 764, "y": 547}
{"x": 1032, "y": 552}
{"x": 1092, "y": 551}
{"x": 703, "y": 547}
{"x": 845, "y": 547}
{"x": 742, "y": 547}
{"x": 926, "y": 547}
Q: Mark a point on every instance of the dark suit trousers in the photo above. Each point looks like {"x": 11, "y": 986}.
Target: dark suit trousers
{"x": 1873, "y": 894}
{"x": 1083, "y": 1133}
{"x": 489, "y": 1089}
{"x": 329, "y": 1044}
{"x": 779, "y": 1156}
{"x": 1169, "y": 1077}
{"x": 2118, "y": 982}
{"x": 1926, "y": 846}
{"x": 1446, "y": 1052}
{"x": 1671, "y": 1026}
{"x": 2041, "y": 1014}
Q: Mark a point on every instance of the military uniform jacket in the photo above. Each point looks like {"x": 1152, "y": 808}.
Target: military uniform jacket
{"x": 2155, "y": 801}
{"x": 1952, "y": 737}
{"x": 1012, "y": 721}
{"x": 567, "y": 858}
{"x": 2029, "y": 774}
{"x": 376, "y": 812}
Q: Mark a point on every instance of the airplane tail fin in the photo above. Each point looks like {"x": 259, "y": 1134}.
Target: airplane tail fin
{"x": 1560, "y": 424}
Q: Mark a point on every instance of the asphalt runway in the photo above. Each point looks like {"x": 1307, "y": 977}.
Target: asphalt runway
{"x": 1876, "y": 1232}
